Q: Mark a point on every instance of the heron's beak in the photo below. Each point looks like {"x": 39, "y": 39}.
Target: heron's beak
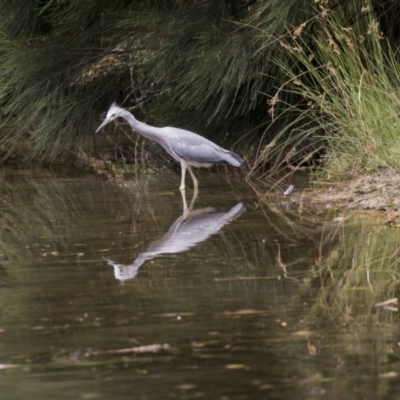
{"x": 103, "y": 124}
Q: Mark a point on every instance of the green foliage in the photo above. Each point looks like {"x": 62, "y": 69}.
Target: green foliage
{"x": 228, "y": 69}
{"x": 197, "y": 64}
{"x": 347, "y": 81}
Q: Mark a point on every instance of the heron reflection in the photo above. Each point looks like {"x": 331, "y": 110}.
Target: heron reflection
{"x": 191, "y": 228}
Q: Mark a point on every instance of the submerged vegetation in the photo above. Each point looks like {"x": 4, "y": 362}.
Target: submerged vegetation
{"x": 290, "y": 84}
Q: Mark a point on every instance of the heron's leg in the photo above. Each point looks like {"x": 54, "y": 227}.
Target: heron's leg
{"x": 195, "y": 194}
{"x": 183, "y": 167}
{"x": 195, "y": 182}
{"x": 185, "y": 206}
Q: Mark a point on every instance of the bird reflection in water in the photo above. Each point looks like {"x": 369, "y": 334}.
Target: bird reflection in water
{"x": 190, "y": 229}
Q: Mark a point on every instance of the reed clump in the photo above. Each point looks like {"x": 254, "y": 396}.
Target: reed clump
{"x": 347, "y": 83}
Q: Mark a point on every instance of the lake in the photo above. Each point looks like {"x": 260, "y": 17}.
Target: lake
{"x": 124, "y": 289}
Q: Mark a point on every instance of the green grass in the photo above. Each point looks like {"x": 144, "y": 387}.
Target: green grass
{"x": 349, "y": 91}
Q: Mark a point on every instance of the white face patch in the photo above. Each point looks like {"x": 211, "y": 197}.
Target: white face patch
{"x": 113, "y": 113}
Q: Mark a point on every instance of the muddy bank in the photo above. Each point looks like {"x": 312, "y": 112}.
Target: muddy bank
{"x": 379, "y": 191}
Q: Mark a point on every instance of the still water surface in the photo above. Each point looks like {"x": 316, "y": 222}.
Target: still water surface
{"x": 119, "y": 290}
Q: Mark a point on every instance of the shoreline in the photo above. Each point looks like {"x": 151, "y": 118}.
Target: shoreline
{"x": 379, "y": 191}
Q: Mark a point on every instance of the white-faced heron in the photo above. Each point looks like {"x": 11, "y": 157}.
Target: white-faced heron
{"x": 190, "y": 149}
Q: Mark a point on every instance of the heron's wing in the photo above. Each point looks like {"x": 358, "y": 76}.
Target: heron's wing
{"x": 199, "y": 153}
{"x": 193, "y": 147}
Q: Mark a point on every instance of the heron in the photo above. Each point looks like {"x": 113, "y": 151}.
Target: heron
{"x": 189, "y": 148}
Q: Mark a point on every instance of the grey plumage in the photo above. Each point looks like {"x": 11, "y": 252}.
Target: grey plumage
{"x": 199, "y": 149}
{"x": 189, "y": 148}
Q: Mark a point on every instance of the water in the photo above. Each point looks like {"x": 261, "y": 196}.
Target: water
{"x": 114, "y": 289}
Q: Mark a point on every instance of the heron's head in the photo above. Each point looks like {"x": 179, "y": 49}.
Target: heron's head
{"x": 113, "y": 113}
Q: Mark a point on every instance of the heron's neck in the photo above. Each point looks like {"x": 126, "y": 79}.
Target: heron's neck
{"x": 148, "y": 131}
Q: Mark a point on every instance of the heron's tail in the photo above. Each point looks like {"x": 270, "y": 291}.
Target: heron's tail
{"x": 234, "y": 159}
